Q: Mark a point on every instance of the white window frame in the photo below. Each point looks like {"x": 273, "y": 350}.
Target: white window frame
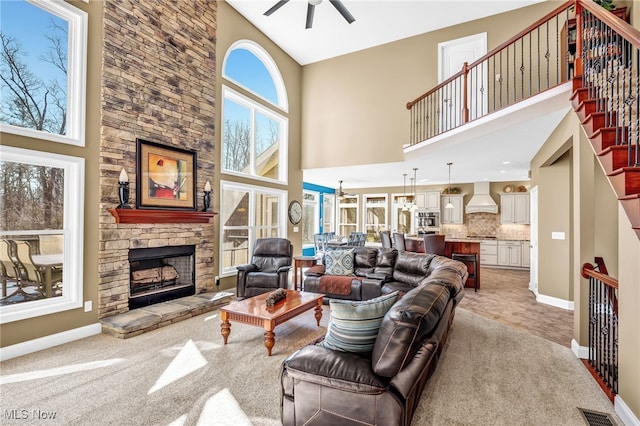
{"x": 270, "y": 65}
{"x": 252, "y": 190}
{"x": 366, "y": 205}
{"x": 316, "y": 212}
{"x": 73, "y": 230}
{"x": 283, "y": 149}
{"x": 342, "y": 205}
{"x": 76, "y": 76}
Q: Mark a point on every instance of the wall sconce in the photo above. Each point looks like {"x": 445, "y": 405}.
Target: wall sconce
{"x": 206, "y": 199}
{"x": 123, "y": 190}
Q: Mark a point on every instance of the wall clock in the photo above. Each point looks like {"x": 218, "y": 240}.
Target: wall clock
{"x": 295, "y": 212}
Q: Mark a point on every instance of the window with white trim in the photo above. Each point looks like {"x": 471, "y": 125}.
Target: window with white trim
{"x": 254, "y": 131}
{"x": 375, "y": 216}
{"x": 41, "y": 199}
{"x": 348, "y": 211}
{"x": 247, "y": 213}
{"x": 43, "y": 70}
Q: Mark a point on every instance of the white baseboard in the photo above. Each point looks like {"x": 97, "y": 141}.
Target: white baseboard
{"x": 625, "y": 413}
{"x": 46, "y": 342}
{"x": 554, "y": 301}
{"x": 581, "y": 352}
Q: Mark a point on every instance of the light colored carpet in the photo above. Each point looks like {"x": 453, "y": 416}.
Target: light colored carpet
{"x": 182, "y": 374}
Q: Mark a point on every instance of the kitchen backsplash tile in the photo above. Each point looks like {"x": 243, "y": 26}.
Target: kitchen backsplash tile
{"x": 486, "y": 225}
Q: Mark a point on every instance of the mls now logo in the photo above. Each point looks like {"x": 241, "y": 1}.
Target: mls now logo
{"x": 23, "y": 414}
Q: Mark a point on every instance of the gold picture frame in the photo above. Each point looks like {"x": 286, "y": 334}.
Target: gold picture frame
{"x": 166, "y": 177}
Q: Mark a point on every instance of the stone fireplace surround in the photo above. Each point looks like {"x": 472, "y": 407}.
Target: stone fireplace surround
{"x": 158, "y": 84}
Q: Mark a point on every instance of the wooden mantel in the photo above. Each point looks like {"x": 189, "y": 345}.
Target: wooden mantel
{"x": 160, "y": 216}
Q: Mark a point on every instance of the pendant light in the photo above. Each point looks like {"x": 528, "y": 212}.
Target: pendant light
{"x": 414, "y": 206}
{"x": 404, "y": 192}
{"x": 449, "y": 204}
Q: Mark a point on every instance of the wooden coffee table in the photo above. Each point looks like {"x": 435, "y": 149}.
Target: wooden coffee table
{"x": 254, "y": 311}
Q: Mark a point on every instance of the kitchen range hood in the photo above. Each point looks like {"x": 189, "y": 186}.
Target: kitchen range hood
{"x": 481, "y": 202}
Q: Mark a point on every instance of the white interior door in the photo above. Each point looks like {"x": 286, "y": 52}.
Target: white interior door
{"x": 452, "y": 55}
{"x": 533, "y": 227}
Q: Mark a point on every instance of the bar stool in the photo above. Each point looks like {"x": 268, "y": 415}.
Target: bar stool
{"x": 469, "y": 258}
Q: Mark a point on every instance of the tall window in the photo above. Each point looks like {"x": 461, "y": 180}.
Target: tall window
{"x": 347, "y": 215}
{"x": 254, "y": 133}
{"x": 375, "y": 216}
{"x": 247, "y": 213}
{"x": 41, "y": 201}
{"x": 402, "y": 216}
{"x": 43, "y": 70}
{"x": 310, "y": 216}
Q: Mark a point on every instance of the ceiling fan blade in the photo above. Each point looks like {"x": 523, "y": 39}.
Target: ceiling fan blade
{"x": 310, "y": 10}
{"x": 343, "y": 10}
{"x": 275, "y": 7}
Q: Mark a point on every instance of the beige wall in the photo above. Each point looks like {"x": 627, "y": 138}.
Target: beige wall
{"x": 354, "y": 106}
{"x": 232, "y": 27}
{"x": 629, "y": 301}
{"x": 29, "y": 329}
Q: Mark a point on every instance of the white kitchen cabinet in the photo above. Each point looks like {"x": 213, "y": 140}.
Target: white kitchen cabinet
{"x": 432, "y": 201}
{"x": 510, "y": 253}
{"x": 421, "y": 200}
{"x": 454, "y": 215}
{"x": 526, "y": 253}
{"x": 488, "y": 253}
{"x": 514, "y": 208}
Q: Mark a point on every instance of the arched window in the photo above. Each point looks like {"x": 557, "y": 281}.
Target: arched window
{"x": 254, "y": 144}
{"x": 254, "y": 131}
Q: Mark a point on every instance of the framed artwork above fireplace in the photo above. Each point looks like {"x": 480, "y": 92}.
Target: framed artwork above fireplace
{"x": 166, "y": 177}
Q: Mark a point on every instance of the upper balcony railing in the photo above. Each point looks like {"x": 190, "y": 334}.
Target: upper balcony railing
{"x": 536, "y": 59}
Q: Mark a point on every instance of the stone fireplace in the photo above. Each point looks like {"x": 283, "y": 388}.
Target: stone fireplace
{"x": 158, "y": 84}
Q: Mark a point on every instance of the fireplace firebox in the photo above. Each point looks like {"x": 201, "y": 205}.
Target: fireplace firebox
{"x": 161, "y": 273}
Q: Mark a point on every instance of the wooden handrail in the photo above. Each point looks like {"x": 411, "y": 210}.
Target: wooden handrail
{"x": 588, "y": 271}
{"x": 621, "y": 27}
{"x": 624, "y": 29}
{"x": 516, "y": 37}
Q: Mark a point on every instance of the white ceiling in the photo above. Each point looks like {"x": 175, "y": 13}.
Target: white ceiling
{"x": 377, "y": 22}
{"x": 478, "y": 152}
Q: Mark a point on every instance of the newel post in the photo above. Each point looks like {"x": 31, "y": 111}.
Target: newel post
{"x": 465, "y": 100}
{"x": 578, "y": 58}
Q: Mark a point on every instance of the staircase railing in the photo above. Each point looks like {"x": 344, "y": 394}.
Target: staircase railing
{"x": 603, "y": 325}
{"x": 608, "y": 64}
{"x": 532, "y": 61}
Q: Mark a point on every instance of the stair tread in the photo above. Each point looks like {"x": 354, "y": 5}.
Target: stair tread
{"x": 629, "y": 197}
{"x": 626, "y": 169}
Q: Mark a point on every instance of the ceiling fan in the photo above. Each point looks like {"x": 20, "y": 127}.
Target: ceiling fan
{"x": 341, "y": 194}
{"x": 311, "y": 4}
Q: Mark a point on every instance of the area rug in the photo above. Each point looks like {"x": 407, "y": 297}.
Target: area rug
{"x": 183, "y": 375}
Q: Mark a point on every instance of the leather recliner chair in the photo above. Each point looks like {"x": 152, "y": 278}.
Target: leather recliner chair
{"x": 269, "y": 267}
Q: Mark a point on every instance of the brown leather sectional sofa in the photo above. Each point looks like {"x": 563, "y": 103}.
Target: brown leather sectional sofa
{"x": 321, "y": 386}
{"x": 379, "y": 271}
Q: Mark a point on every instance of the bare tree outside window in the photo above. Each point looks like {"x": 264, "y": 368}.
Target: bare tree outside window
{"x": 33, "y": 79}
{"x": 31, "y": 197}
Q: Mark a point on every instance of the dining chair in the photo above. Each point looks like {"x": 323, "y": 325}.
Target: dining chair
{"x": 8, "y": 268}
{"x": 398, "y": 241}
{"x": 434, "y": 244}
{"x": 320, "y": 245}
{"x": 356, "y": 239}
{"x": 385, "y": 237}
{"x": 34, "y": 274}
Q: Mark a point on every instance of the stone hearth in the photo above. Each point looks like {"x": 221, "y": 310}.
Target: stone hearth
{"x": 141, "y": 320}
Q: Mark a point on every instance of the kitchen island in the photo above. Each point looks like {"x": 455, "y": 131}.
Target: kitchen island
{"x": 452, "y": 245}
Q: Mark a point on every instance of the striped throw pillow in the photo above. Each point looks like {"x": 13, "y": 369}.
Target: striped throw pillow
{"x": 353, "y": 325}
